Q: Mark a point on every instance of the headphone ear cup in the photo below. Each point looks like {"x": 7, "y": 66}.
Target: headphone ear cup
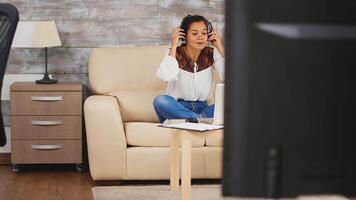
{"x": 183, "y": 39}
{"x": 183, "y": 26}
{"x": 209, "y": 28}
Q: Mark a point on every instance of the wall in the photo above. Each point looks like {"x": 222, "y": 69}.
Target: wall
{"x": 86, "y": 24}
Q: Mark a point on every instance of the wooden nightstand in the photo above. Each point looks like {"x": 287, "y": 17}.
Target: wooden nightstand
{"x": 46, "y": 124}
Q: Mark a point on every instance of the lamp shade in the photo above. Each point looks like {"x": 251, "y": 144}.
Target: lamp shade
{"x": 36, "y": 34}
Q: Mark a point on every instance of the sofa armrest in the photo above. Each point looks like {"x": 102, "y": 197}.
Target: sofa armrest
{"x": 105, "y": 138}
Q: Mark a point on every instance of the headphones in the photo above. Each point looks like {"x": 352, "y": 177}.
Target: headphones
{"x": 187, "y": 20}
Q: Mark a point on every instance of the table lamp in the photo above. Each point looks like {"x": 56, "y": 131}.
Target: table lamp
{"x": 37, "y": 34}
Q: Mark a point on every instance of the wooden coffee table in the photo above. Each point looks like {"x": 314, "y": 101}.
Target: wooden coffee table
{"x": 186, "y": 164}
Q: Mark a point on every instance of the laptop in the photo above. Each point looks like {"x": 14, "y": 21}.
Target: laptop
{"x": 218, "y": 118}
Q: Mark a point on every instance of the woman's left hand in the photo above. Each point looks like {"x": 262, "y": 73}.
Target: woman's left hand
{"x": 215, "y": 40}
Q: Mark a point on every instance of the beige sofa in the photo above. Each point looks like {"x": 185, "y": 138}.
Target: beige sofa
{"x": 124, "y": 141}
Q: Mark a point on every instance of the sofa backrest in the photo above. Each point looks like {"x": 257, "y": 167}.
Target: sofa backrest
{"x": 125, "y": 68}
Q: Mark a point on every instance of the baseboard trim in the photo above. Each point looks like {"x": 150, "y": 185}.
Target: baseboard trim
{"x": 5, "y": 158}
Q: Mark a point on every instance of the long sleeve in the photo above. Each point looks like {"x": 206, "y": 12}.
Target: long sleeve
{"x": 219, "y": 63}
{"x": 168, "y": 69}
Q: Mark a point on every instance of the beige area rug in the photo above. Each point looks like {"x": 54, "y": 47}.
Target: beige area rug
{"x": 162, "y": 192}
{"x": 156, "y": 192}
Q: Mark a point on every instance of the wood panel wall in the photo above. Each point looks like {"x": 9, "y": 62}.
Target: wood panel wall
{"x": 87, "y": 24}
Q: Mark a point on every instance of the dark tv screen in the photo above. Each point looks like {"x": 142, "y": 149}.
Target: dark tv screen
{"x": 290, "y": 117}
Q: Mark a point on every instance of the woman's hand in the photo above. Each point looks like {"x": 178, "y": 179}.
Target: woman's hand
{"x": 215, "y": 40}
{"x": 176, "y": 35}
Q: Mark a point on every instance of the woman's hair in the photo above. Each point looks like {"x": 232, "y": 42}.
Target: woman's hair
{"x": 189, "y": 19}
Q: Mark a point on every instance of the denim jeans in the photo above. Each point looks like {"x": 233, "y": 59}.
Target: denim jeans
{"x": 167, "y": 107}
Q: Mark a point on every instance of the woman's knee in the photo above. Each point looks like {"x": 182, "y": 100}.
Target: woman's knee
{"x": 162, "y": 100}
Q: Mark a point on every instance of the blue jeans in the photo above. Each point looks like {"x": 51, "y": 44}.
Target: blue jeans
{"x": 167, "y": 107}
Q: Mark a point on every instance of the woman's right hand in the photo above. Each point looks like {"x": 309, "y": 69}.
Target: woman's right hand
{"x": 176, "y": 35}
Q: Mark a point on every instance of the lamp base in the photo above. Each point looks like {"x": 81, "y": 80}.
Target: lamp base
{"x": 46, "y": 80}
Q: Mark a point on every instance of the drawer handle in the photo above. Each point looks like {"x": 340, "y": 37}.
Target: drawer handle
{"x": 47, "y": 146}
{"x": 46, "y": 123}
{"x": 44, "y": 98}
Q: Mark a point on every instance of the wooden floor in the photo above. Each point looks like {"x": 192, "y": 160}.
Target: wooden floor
{"x": 45, "y": 183}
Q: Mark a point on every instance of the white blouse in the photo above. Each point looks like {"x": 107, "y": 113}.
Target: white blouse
{"x": 196, "y": 86}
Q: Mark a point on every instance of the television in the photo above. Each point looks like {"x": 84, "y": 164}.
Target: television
{"x": 290, "y": 95}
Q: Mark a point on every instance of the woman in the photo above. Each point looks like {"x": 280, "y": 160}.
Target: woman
{"x": 188, "y": 71}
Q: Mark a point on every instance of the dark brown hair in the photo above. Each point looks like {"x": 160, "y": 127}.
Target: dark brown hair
{"x": 189, "y": 19}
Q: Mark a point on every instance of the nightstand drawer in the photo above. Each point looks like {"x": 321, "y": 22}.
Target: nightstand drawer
{"x": 46, "y": 103}
{"x": 46, "y": 127}
{"x": 46, "y": 151}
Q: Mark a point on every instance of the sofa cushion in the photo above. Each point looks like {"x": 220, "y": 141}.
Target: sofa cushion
{"x": 214, "y": 138}
{"x": 214, "y": 160}
{"x": 137, "y": 105}
{"x": 125, "y": 68}
{"x": 150, "y": 135}
{"x": 153, "y": 163}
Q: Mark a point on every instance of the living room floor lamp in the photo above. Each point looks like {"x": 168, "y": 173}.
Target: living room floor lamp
{"x": 37, "y": 34}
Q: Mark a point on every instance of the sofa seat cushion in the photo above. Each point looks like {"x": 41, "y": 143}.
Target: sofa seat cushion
{"x": 145, "y": 134}
{"x": 137, "y": 105}
{"x": 214, "y": 138}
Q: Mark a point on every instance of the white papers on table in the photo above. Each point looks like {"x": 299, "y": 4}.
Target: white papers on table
{"x": 193, "y": 126}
